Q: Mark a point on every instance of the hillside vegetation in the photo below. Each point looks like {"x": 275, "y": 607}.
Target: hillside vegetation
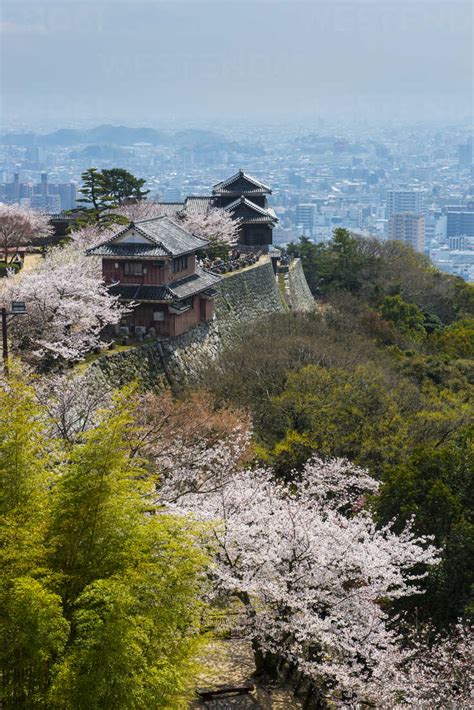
{"x": 381, "y": 374}
{"x": 310, "y": 493}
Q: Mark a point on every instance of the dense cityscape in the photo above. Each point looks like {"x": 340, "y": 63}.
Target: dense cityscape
{"x": 408, "y": 183}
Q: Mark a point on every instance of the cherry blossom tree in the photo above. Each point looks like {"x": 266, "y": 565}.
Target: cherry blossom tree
{"x": 429, "y": 671}
{"x": 142, "y": 209}
{"x": 439, "y": 672}
{"x": 73, "y": 403}
{"x": 216, "y": 225}
{"x": 89, "y": 235}
{"x": 312, "y": 570}
{"x": 19, "y": 226}
{"x": 68, "y": 305}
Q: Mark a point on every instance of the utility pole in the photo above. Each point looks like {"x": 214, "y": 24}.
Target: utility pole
{"x": 18, "y": 309}
{"x": 5, "y": 341}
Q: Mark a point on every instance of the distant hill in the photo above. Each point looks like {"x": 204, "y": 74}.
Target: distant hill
{"x": 106, "y": 134}
{"x": 109, "y": 142}
{"x": 101, "y": 152}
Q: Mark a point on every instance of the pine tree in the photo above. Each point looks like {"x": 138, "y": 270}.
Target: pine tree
{"x": 104, "y": 191}
{"x": 120, "y": 186}
{"x": 96, "y": 201}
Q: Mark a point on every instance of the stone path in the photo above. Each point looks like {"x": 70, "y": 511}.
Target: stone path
{"x": 230, "y": 662}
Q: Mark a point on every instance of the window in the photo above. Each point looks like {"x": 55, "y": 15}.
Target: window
{"x": 133, "y": 268}
{"x": 180, "y": 264}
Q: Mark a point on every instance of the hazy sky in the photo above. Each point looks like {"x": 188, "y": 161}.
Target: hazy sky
{"x": 71, "y": 61}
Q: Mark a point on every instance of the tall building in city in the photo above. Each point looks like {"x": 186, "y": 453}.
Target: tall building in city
{"x": 305, "y": 219}
{"x": 399, "y": 201}
{"x": 460, "y": 224}
{"x": 44, "y": 184}
{"x": 46, "y": 203}
{"x": 457, "y": 243}
{"x": 408, "y": 227}
{"x": 465, "y": 154}
{"x": 67, "y": 192}
{"x": 12, "y": 189}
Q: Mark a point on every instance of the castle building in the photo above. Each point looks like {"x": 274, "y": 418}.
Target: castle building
{"x": 246, "y": 200}
{"x": 152, "y": 263}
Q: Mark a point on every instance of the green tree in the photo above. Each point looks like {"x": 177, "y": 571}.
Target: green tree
{"x": 24, "y": 476}
{"x": 100, "y": 592}
{"x": 407, "y": 317}
{"x": 332, "y": 412}
{"x": 119, "y": 186}
{"x": 94, "y": 198}
{"x": 33, "y": 635}
{"x": 457, "y": 339}
{"x": 336, "y": 265}
{"x": 32, "y": 629}
{"x": 370, "y": 270}
{"x": 102, "y": 191}
{"x": 435, "y": 489}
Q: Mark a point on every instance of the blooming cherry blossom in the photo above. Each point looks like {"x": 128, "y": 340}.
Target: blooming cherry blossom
{"x": 68, "y": 305}
{"x": 216, "y": 225}
{"x": 314, "y": 581}
{"x": 19, "y": 226}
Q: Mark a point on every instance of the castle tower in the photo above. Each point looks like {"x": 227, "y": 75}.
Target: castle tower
{"x": 245, "y": 198}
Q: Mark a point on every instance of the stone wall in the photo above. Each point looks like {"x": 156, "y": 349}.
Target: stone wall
{"x": 248, "y": 295}
{"x": 242, "y": 297}
{"x": 298, "y": 293}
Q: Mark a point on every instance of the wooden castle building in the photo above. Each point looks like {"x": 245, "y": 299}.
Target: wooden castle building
{"x": 246, "y": 200}
{"x": 152, "y": 263}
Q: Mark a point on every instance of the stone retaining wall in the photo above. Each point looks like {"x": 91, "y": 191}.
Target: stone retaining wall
{"x": 298, "y": 292}
{"x": 242, "y": 297}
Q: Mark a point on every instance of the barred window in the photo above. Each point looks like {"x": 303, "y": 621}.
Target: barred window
{"x": 180, "y": 263}
{"x": 133, "y": 268}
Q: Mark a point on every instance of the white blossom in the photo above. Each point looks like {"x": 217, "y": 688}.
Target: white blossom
{"x": 314, "y": 578}
{"x": 216, "y": 225}
{"x": 19, "y": 226}
{"x": 68, "y": 305}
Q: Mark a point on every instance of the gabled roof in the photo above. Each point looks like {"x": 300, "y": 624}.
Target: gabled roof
{"x": 241, "y": 184}
{"x": 248, "y": 211}
{"x": 124, "y": 251}
{"x": 165, "y": 236}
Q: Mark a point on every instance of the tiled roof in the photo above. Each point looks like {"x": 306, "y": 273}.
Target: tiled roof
{"x": 170, "y": 235}
{"x": 142, "y": 251}
{"x": 200, "y": 281}
{"x": 247, "y": 211}
{"x": 141, "y": 293}
{"x": 198, "y": 204}
{"x": 170, "y": 209}
{"x": 166, "y": 234}
{"x": 182, "y": 288}
{"x": 241, "y": 183}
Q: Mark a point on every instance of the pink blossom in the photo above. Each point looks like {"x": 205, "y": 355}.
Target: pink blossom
{"x": 20, "y": 226}
{"x": 216, "y": 225}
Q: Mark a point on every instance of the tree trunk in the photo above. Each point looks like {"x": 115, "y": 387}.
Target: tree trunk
{"x": 259, "y": 658}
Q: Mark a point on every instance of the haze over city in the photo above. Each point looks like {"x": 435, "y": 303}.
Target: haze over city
{"x": 72, "y": 63}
